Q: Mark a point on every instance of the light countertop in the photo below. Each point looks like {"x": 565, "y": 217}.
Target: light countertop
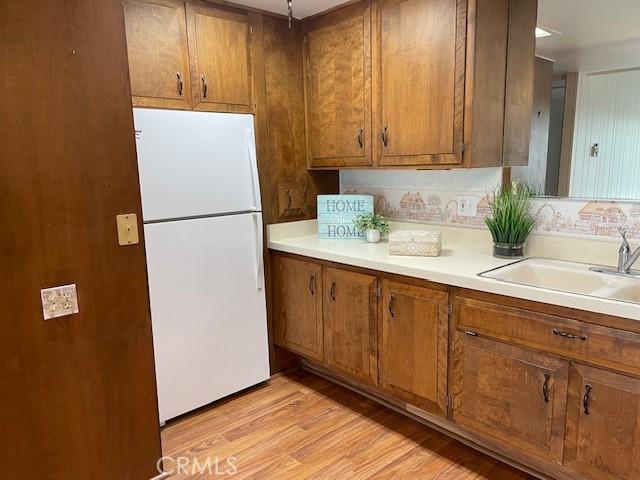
{"x": 465, "y": 254}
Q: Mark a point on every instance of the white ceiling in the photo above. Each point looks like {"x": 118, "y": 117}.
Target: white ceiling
{"x": 595, "y": 34}
{"x": 301, "y": 8}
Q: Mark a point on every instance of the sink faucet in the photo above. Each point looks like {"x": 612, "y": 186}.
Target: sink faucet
{"x": 626, "y": 259}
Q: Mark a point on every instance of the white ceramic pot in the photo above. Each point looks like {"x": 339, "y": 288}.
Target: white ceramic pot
{"x": 373, "y": 236}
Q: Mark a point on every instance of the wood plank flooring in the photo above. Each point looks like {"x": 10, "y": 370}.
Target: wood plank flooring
{"x": 302, "y": 426}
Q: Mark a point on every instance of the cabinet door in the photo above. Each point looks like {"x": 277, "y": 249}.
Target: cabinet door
{"x": 421, "y": 67}
{"x": 413, "y": 344}
{"x": 514, "y": 396}
{"x": 338, "y": 100}
{"x": 158, "y": 54}
{"x": 350, "y": 317}
{"x": 603, "y": 425}
{"x": 297, "y": 298}
{"x": 220, "y": 54}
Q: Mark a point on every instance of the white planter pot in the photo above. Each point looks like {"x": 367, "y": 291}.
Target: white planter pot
{"x": 373, "y": 236}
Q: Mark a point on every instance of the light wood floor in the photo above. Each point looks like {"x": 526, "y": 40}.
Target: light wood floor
{"x": 305, "y": 427}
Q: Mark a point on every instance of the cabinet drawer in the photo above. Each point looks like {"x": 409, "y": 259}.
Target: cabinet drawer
{"x": 608, "y": 347}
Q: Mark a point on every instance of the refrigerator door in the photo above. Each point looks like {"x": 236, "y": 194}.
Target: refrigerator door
{"x": 195, "y": 163}
{"x": 208, "y": 309}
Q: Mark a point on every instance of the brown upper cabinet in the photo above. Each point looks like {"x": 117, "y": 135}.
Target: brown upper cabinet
{"x": 337, "y": 63}
{"x": 158, "y": 53}
{"x": 189, "y": 56}
{"x": 220, "y": 55}
{"x": 420, "y": 63}
{"x": 441, "y": 76}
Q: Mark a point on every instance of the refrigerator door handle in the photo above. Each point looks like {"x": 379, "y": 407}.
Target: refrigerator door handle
{"x": 253, "y": 167}
{"x": 257, "y": 225}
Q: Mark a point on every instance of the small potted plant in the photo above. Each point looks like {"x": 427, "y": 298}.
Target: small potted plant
{"x": 511, "y": 221}
{"x": 371, "y": 225}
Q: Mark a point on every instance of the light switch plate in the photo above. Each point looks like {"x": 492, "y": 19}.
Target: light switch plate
{"x": 467, "y": 205}
{"x": 59, "y": 301}
{"x": 127, "y": 229}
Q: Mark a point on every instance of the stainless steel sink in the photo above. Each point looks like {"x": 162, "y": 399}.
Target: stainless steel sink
{"x": 568, "y": 277}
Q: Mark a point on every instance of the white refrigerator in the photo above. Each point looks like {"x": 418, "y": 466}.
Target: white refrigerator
{"x": 203, "y": 230}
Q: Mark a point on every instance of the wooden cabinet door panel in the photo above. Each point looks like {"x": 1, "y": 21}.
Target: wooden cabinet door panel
{"x": 220, "y": 53}
{"x": 350, "y": 322}
{"x": 499, "y": 392}
{"x": 603, "y": 444}
{"x": 298, "y": 306}
{"x": 413, "y": 344}
{"x": 158, "y": 53}
{"x": 338, "y": 101}
{"x": 421, "y": 69}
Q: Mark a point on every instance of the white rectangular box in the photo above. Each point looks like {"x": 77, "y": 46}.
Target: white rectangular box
{"x": 421, "y": 243}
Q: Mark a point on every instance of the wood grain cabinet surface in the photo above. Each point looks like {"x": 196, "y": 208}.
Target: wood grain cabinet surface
{"x": 350, "y": 323}
{"x": 510, "y": 394}
{"x": 298, "y": 306}
{"x": 603, "y": 425}
{"x": 158, "y": 54}
{"x": 432, "y": 83}
{"x": 337, "y": 58}
{"x": 421, "y": 65}
{"x": 414, "y": 344}
{"x": 220, "y": 55}
{"x": 189, "y": 56}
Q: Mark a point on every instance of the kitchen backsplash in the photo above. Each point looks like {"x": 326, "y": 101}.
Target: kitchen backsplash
{"x": 460, "y": 197}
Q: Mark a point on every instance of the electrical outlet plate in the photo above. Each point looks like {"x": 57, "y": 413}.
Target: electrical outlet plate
{"x": 467, "y": 205}
{"x": 59, "y": 301}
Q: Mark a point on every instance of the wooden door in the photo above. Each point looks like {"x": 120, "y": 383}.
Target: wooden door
{"x": 78, "y": 397}
{"x": 350, "y": 323}
{"x": 158, "y": 53}
{"x": 514, "y": 396}
{"x": 603, "y": 425}
{"x": 337, "y": 59}
{"x": 220, "y": 55}
{"x": 414, "y": 344}
{"x": 297, "y": 300}
{"x": 420, "y": 58}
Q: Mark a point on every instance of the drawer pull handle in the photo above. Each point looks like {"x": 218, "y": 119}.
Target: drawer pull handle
{"x": 471, "y": 333}
{"x": 586, "y": 398}
{"x": 568, "y": 336}
{"x": 332, "y": 292}
{"x": 392, "y": 302}
{"x": 180, "y": 83}
{"x": 385, "y": 136}
{"x": 312, "y": 284}
{"x": 545, "y": 388}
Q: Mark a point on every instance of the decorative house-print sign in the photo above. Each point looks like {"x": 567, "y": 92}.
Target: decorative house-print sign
{"x": 336, "y": 214}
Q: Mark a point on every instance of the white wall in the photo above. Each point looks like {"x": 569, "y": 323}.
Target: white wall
{"x": 607, "y": 113}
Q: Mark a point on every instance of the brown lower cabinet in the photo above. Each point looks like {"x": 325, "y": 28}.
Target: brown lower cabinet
{"x": 414, "y": 344}
{"x": 513, "y": 395}
{"x": 350, "y": 323}
{"x": 603, "y": 425}
{"x": 552, "y": 389}
{"x": 297, "y": 304}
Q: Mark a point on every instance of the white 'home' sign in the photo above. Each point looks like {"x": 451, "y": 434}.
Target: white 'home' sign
{"x": 336, "y": 214}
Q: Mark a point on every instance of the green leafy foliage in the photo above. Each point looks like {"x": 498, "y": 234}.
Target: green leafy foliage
{"x": 511, "y": 221}
{"x": 371, "y": 221}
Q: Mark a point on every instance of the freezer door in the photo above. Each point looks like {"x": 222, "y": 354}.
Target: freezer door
{"x": 208, "y": 309}
{"x": 195, "y": 163}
